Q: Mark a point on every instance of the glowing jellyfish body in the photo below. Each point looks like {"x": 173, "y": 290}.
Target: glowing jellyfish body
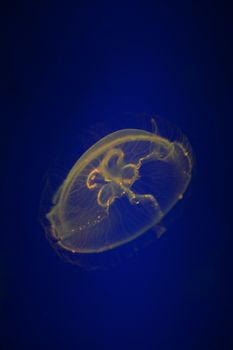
{"x": 122, "y": 186}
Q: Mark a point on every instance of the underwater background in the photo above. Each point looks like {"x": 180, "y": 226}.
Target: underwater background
{"x": 67, "y": 66}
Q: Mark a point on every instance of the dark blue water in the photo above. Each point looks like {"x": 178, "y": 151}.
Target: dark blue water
{"x": 62, "y": 67}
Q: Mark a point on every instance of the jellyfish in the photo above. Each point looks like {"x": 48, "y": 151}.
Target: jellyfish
{"x": 120, "y": 188}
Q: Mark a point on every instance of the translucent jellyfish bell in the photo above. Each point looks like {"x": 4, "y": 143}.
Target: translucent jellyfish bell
{"x": 118, "y": 189}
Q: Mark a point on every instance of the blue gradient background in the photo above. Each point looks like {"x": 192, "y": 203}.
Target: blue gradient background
{"x": 62, "y": 66}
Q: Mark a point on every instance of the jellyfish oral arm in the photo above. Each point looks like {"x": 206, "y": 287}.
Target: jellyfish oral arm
{"x": 117, "y": 177}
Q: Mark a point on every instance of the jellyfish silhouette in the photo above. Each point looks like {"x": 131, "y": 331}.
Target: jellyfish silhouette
{"x": 118, "y": 189}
